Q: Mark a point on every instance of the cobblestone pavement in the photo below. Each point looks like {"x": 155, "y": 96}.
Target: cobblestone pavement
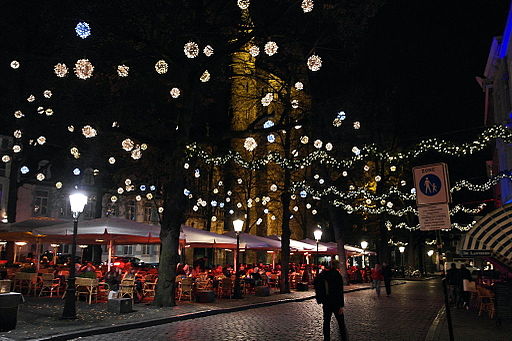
{"x": 406, "y": 315}
{"x": 39, "y": 317}
{"x": 468, "y": 326}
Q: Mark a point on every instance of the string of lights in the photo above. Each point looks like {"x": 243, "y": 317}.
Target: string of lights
{"x": 364, "y": 153}
{"x": 461, "y": 227}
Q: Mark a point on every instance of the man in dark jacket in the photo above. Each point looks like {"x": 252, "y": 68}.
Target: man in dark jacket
{"x": 329, "y": 293}
{"x": 387, "y": 274}
{"x": 451, "y": 281}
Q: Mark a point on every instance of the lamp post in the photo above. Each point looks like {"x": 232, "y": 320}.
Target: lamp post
{"x": 402, "y": 250}
{"x": 364, "y": 245}
{"x": 318, "y": 236}
{"x": 237, "y": 225}
{"x": 77, "y": 201}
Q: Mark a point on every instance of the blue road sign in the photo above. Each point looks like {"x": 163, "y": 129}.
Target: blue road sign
{"x": 430, "y": 184}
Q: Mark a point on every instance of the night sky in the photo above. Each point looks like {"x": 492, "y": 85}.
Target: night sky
{"x": 415, "y": 72}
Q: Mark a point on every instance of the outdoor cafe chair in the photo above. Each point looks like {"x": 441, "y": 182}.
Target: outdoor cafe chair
{"x": 486, "y": 298}
{"x": 49, "y": 284}
{"x": 87, "y": 287}
{"x": 25, "y": 280}
{"x": 226, "y": 287}
{"x": 149, "y": 286}
{"x": 185, "y": 287}
{"x": 127, "y": 288}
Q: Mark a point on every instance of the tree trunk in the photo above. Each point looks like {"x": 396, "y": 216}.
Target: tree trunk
{"x": 336, "y": 219}
{"x": 173, "y": 217}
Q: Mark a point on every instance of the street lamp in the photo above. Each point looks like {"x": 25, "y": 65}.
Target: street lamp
{"x": 318, "y": 236}
{"x": 77, "y": 201}
{"x": 364, "y": 245}
{"x": 430, "y": 253}
{"x": 237, "y": 225}
{"x": 402, "y": 250}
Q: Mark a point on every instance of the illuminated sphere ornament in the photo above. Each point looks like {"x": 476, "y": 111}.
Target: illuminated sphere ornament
{"x": 304, "y": 139}
{"x": 149, "y": 196}
{"x": 83, "y": 30}
{"x": 265, "y": 101}
{"x": 318, "y": 144}
{"x": 366, "y": 168}
{"x": 58, "y": 185}
{"x": 357, "y": 125}
{"x": 378, "y": 178}
{"x": 17, "y": 134}
{"x": 83, "y": 69}
{"x": 208, "y": 51}
{"x": 356, "y": 150}
{"x": 89, "y": 131}
{"x": 161, "y": 67}
{"x": 18, "y": 114}
{"x": 6, "y": 158}
{"x": 41, "y": 140}
{"x": 273, "y": 187}
{"x": 175, "y": 92}
{"x": 254, "y": 50}
{"x": 16, "y": 148}
{"x": 191, "y": 49}
{"x": 314, "y": 62}
{"x": 393, "y": 168}
{"x": 271, "y": 138}
{"x": 205, "y": 77}
{"x": 47, "y": 93}
{"x": 328, "y": 146}
{"x": 40, "y": 176}
{"x": 31, "y": 98}
{"x": 243, "y": 4}
{"x": 120, "y": 190}
{"x": 143, "y": 146}
{"x": 136, "y": 154}
{"x": 61, "y": 70}
{"x": 15, "y": 64}
{"x": 303, "y": 194}
{"x": 122, "y": 70}
{"x": 299, "y": 86}
{"x": 49, "y": 112}
{"x": 307, "y": 5}
{"x": 295, "y": 103}
{"x": 271, "y": 48}
{"x": 127, "y": 144}
{"x": 113, "y": 198}
{"x": 24, "y": 170}
{"x": 76, "y": 171}
{"x": 71, "y": 129}
{"x": 111, "y": 160}
{"x": 250, "y": 144}
{"x": 40, "y": 110}
{"x": 138, "y": 198}
{"x": 268, "y": 124}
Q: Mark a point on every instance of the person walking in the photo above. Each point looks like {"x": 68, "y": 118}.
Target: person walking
{"x": 329, "y": 293}
{"x": 451, "y": 281}
{"x": 387, "y": 274}
{"x": 377, "y": 278}
{"x": 465, "y": 276}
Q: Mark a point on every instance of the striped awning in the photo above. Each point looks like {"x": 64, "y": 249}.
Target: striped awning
{"x": 493, "y": 232}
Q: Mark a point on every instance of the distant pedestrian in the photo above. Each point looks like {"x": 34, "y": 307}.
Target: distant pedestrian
{"x": 465, "y": 275}
{"x": 329, "y": 293}
{"x": 377, "y": 277}
{"x": 451, "y": 281}
{"x": 387, "y": 274}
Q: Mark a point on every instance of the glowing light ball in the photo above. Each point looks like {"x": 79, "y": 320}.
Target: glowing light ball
{"x": 122, "y": 70}
{"x": 314, "y": 62}
{"x": 83, "y": 30}
{"x": 61, "y": 70}
{"x": 161, "y": 67}
{"x": 191, "y": 49}
{"x": 83, "y": 69}
{"x": 271, "y": 48}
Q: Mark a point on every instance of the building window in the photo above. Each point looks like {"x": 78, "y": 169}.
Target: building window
{"x": 131, "y": 211}
{"x": 147, "y": 249}
{"x": 127, "y": 249}
{"x": 41, "y": 203}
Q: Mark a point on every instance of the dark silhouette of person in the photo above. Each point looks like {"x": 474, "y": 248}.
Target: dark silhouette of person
{"x": 387, "y": 274}
{"x": 329, "y": 293}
